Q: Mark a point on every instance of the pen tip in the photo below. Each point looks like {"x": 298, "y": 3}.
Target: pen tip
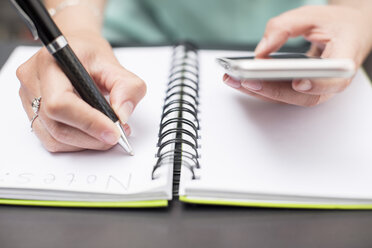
{"x": 123, "y": 141}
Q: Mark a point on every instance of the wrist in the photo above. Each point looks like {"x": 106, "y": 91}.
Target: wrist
{"x": 64, "y": 4}
{"x": 76, "y": 15}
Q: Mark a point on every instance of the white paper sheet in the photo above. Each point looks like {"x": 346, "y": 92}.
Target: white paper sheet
{"x": 24, "y": 163}
{"x": 250, "y": 146}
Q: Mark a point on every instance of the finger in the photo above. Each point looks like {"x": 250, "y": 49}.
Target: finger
{"x": 320, "y": 86}
{"x": 281, "y": 28}
{"x": 127, "y": 129}
{"x": 125, "y": 88}
{"x": 61, "y": 104}
{"x": 71, "y": 136}
{"x": 282, "y": 91}
{"x": 236, "y": 84}
{"x": 50, "y": 144}
{"x": 315, "y": 51}
{"x": 344, "y": 47}
{"x": 64, "y": 134}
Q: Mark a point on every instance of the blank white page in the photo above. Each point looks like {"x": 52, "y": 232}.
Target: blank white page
{"x": 252, "y": 146}
{"x": 26, "y": 164}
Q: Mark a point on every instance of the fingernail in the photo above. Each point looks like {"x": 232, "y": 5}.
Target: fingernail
{"x": 231, "y": 82}
{"x": 125, "y": 111}
{"x": 252, "y": 85}
{"x": 262, "y": 45}
{"x": 225, "y": 78}
{"x": 127, "y": 130}
{"x": 109, "y": 137}
{"x": 302, "y": 85}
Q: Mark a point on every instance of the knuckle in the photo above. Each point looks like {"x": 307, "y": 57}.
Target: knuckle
{"x": 312, "y": 101}
{"x": 104, "y": 147}
{"x": 21, "y": 72}
{"x": 274, "y": 23}
{"x": 53, "y": 106}
{"x": 277, "y": 93}
{"x": 89, "y": 127}
{"x": 58, "y": 132}
{"x": 52, "y": 146}
{"x": 140, "y": 87}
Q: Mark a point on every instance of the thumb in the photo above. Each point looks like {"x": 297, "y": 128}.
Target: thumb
{"x": 125, "y": 89}
{"x": 339, "y": 49}
{"x": 287, "y": 25}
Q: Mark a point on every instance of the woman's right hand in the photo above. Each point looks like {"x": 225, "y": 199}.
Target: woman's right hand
{"x": 65, "y": 122}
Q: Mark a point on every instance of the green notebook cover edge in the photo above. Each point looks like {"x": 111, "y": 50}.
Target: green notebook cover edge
{"x": 129, "y": 204}
{"x": 186, "y": 199}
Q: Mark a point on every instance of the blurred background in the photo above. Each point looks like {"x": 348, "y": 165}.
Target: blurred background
{"x": 12, "y": 27}
{"x": 13, "y": 31}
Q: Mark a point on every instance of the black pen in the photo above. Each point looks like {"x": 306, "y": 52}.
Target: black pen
{"x": 42, "y": 26}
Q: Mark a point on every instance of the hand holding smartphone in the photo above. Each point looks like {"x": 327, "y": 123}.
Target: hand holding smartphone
{"x": 284, "y": 66}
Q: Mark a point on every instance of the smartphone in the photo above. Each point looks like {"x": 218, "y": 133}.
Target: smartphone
{"x": 287, "y": 66}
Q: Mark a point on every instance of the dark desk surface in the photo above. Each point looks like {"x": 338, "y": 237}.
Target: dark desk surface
{"x": 181, "y": 225}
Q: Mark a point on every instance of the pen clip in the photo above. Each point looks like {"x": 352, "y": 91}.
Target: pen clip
{"x": 27, "y": 19}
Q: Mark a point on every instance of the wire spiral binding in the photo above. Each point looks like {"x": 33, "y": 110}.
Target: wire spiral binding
{"x": 179, "y": 125}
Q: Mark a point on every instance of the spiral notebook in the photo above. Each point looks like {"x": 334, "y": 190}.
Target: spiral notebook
{"x": 199, "y": 141}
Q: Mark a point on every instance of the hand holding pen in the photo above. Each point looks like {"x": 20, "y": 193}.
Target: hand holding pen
{"x": 66, "y": 122}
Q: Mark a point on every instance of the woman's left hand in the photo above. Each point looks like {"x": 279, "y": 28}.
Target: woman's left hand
{"x": 334, "y": 31}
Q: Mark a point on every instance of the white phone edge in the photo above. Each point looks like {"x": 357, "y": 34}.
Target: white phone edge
{"x": 288, "y": 68}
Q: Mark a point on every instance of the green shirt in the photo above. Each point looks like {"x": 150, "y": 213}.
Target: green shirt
{"x": 200, "y": 21}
